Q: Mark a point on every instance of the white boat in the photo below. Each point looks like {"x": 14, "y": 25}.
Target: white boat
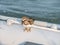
{"x": 46, "y": 34}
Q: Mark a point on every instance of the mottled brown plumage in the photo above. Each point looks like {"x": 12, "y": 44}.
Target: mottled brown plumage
{"x": 27, "y": 21}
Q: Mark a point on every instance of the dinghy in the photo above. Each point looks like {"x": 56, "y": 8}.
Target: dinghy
{"x": 42, "y": 33}
{"x": 37, "y": 24}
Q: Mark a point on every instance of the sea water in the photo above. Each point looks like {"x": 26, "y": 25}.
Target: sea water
{"x": 44, "y": 10}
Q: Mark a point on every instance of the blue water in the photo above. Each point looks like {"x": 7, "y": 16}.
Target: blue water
{"x": 44, "y": 10}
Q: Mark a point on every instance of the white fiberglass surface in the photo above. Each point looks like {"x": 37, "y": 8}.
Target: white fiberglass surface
{"x": 14, "y": 35}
